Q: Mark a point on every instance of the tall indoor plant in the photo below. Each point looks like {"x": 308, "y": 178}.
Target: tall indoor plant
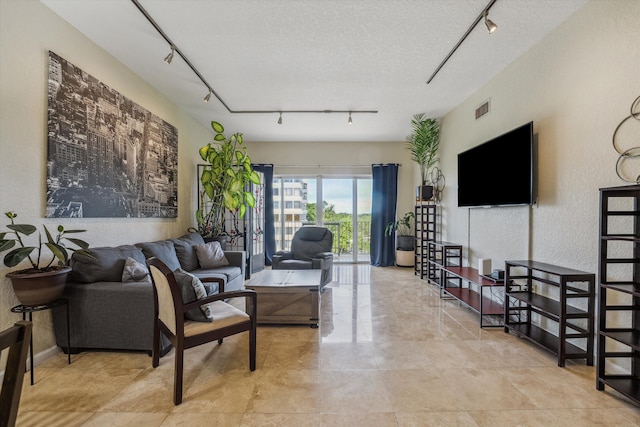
{"x": 423, "y": 143}
{"x": 44, "y": 281}
{"x": 224, "y": 181}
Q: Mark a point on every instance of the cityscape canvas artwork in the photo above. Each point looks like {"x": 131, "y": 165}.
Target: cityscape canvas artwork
{"x": 107, "y": 156}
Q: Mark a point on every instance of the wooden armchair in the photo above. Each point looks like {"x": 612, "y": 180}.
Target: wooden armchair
{"x": 16, "y": 339}
{"x": 183, "y": 334}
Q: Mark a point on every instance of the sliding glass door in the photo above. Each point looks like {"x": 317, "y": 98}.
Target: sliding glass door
{"x": 345, "y": 209}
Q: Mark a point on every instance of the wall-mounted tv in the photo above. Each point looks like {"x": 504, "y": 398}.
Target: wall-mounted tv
{"x": 499, "y": 172}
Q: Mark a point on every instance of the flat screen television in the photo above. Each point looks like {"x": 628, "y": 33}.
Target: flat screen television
{"x": 498, "y": 172}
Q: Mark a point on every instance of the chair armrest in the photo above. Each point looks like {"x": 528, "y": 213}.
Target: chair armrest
{"x": 280, "y": 256}
{"x": 237, "y": 259}
{"x": 246, "y": 293}
{"x": 324, "y": 255}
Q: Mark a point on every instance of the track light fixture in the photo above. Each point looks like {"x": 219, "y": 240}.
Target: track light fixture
{"x": 169, "y": 57}
{"x": 350, "y": 120}
{"x": 491, "y": 26}
{"x": 175, "y": 49}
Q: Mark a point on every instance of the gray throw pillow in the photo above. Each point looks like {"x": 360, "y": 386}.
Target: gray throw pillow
{"x": 103, "y": 264}
{"x": 163, "y": 250}
{"x": 193, "y": 289}
{"x": 211, "y": 255}
{"x": 186, "y": 251}
{"x": 134, "y": 271}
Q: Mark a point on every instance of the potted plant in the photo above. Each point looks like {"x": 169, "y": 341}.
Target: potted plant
{"x": 423, "y": 143}
{"x": 403, "y": 231}
{"x": 39, "y": 284}
{"x": 402, "y": 228}
{"x": 224, "y": 181}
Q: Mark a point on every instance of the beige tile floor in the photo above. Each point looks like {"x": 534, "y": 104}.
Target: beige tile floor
{"x": 389, "y": 352}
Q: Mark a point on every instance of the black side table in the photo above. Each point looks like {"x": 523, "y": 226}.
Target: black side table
{"x": 24, "y": 309}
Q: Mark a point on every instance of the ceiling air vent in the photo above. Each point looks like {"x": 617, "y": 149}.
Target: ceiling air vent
{"x": 482, "y": 109}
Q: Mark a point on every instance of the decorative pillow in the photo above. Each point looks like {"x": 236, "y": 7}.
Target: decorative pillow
{"x": 102, "y": 264}
{"x": 211, "y": 255}
{"x": 186, "y": 252}
{"x": 193, "y": 289}
{"x": 134, "y": 271}
{"x": 163, "y": 250}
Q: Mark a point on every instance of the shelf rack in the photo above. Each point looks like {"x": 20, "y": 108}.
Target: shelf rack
{"x": 424, "y": 232}
{"x": 618, "y": 364}
{"x": 524, "y": 296}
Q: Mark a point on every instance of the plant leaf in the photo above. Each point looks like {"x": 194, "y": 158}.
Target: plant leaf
{"x": 80, "y": 243}
{"x": 219, "y": 137}
{"x": 73, "y": 231}
{"x": 203, "y": 152}
{"x": 242, "y": 211}
{"x": 217, "y": 127}
{"x": 25, "y": 229}
{"x": 58, "y": 251}
{"x": 254, "y": 177}
{"x": 208, "y": 189}
{"x": 49, "y": 237}
{"x": 206, "y": 176}
{"x": 6, "y": 244}
{"x": 249, "y": 199}
{"x": 16, "y": 256}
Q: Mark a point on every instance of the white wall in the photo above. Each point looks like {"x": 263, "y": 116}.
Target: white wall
{"x": 339, "y": 158}
{"x": 28, "y": 30}
{"x": 576, "y": 85}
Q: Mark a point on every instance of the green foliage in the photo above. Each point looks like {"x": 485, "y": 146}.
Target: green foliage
{"x": 400, "y": 226}
{"x": 342, "y": 241}
{"x": 224, "y": 180}
{"x": 423, "y": 143}
{"x": 56, "y": 245}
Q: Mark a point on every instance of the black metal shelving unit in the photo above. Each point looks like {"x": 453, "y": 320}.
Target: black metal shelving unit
{"x": 619, "y": 291}
{"x": 528, "y": 286}
{"x": 425, "y": 232}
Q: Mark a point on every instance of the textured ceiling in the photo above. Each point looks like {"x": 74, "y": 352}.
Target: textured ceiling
{"x": 316, "y": 55}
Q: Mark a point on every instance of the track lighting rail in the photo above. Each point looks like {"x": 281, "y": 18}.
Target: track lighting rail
{"x": 177, "y": 50}
{"x": 483, "y": 15}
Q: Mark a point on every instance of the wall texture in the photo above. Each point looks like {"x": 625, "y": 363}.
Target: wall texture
{"x": 28, "y": 30}
{"x": 576, "y": 85}
{"x": 339, "y": 158}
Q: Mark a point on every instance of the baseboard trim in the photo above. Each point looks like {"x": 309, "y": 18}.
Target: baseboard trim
{"x": 39, "y": 358}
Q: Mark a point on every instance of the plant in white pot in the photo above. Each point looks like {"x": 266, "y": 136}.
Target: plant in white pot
{"x": 423, "y": 143}
{"x": 224, "y": 181}
{"x": 44, "y": 281}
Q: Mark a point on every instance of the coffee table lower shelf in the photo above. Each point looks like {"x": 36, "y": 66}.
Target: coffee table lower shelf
{"x": 289, "y": 297}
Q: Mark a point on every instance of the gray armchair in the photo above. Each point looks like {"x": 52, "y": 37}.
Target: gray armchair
{"x": 310, "y": 250}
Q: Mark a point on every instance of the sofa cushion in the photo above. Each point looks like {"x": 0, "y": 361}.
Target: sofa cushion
{"x": 227, "y": 273}
{"x": 134, "y": 271}
{"x": 163, "y": 250}
{"x": 103, "y": 264}
{"x": 210, "y": 255}
{"x": 193, "y": 289}
{"x": 185, "y": 250}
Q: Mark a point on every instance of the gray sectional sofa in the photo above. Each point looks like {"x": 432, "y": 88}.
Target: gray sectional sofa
{"x": 107, "y": 313}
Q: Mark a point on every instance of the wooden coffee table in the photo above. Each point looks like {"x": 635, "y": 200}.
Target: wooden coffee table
{"x": 287, "y": 296}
